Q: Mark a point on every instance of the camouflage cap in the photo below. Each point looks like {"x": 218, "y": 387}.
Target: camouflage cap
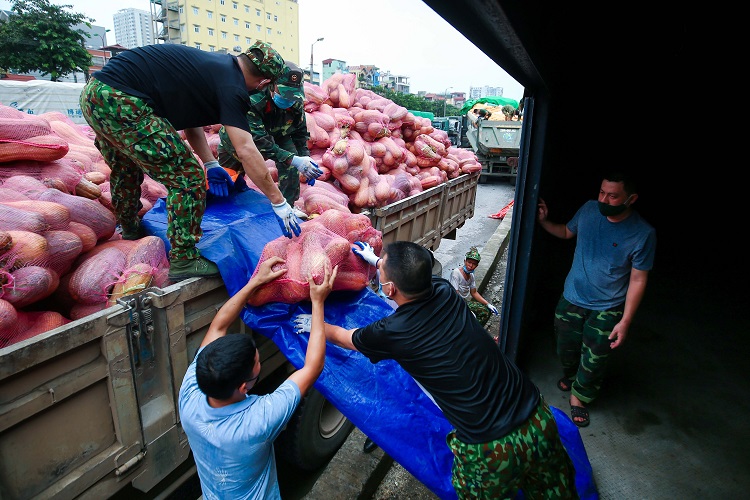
{"x": 268, "y": 61}
{"x": 473, "y": 254}
{"x": 290, "y": 82}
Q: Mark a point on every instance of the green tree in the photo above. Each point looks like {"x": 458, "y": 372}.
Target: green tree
{"x": 39, "y": 36}
{"x": 416, "y": 103}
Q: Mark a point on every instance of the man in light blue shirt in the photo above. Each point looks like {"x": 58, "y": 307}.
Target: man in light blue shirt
{"x": 614, "y": 253}
{"x": 230, "y": 431}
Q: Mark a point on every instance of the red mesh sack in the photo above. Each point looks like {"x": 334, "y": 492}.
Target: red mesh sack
{"x": 133, "y": 280}
{"x": 57, "y": 216}
{"x": 28, "y": 249}
{"x": 92, "y": 281}
{"x": 31, "y": 324}
{"x": 29, "y": 284}
{"x": 19, "y": 219}
{"x": 85, "y": 211}
{"x": 63, "y": 247}
{"x": 323, "y": 243}
{"x": 64, "y": 169}
{"x": 41, "y": 148}
{"x": 8, "y": 322}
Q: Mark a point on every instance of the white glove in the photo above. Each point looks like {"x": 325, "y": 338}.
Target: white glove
{"x": 366, "y": 252}
{"x": 302, "y": 323}
{"x": 492, "y": 309}
{"x": 288, "y": 222}
{"x": 307, "y": 167}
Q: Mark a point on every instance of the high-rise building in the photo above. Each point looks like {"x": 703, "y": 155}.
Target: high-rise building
{"x": 133, "y": 28}
{"x": 229, "y": 25}
{"x": 479, "y": 92}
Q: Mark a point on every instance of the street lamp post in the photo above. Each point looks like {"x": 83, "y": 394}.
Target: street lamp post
{"x": 312, "y": 72}
{"x": 104, "y": 53}
{"x": 445, "y": 101}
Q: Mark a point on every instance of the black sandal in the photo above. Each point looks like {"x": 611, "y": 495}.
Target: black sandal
{"x": 565, "y": 384}
{"x": 580, "y": 412}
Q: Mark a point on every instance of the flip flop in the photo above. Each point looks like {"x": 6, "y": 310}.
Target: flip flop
{"x": 564, "y": 384}
{"x": 580, "y": 412}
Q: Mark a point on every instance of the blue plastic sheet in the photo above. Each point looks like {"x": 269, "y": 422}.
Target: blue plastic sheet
{"x": 381, "y": 399}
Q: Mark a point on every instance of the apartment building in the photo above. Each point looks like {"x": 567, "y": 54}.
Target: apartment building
{"x": 133, "y": 28}
{"x": 229, "y": 25}
{"x": 479, "y": 92}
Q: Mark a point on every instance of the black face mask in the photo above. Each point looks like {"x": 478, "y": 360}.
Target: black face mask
{"x": 613, "y": 210}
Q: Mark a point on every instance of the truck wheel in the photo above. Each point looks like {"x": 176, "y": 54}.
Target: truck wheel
{"x": 314, "y": 434}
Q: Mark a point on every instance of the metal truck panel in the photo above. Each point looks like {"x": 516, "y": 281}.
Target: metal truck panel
{"x": 459, "y": 197}
{"x": 429, "y": 216}
{"x": 416, "y": 218}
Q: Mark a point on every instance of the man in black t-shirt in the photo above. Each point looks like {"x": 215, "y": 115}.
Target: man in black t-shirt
{"x": 137, "y": 103}
{"x": 505, "y": 437}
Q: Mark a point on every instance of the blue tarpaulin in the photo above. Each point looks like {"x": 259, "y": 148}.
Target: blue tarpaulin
{"x": 381, "y": 399}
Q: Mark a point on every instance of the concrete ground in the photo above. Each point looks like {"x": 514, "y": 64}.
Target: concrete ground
{"x": 669, "y": 423}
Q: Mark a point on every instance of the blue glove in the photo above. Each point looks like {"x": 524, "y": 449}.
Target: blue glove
{"x": 219, "y": 180}
{"x": 307, "y": 167}
{"x": 288, "y": 222}
{"x": 240, "y": 186}
{"x": 366, "y": 252}
{"x": 492, "y": 309}
{"x": 302, "y": 323}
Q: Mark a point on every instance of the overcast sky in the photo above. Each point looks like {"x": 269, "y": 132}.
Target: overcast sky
{"x": 404, "y": 37}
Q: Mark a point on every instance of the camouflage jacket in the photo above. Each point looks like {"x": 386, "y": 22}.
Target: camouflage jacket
{"x": 268, "y": 122}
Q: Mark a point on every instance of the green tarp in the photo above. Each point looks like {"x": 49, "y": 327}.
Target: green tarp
{"x": 494, "y": 101}
{"x": 422, "y": 114}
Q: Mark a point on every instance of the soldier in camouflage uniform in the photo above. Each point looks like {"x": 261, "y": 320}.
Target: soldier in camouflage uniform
{"x": 277, "y": 122}
{"x": 137, "y": 103}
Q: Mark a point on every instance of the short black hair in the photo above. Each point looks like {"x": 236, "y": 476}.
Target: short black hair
{"x": 224, "y": 364}
{"x": 628, "y": 182}
{"x": 409, "y": 266}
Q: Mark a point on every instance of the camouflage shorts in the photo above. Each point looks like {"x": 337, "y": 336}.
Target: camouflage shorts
{"x": 531, "y": 458}
{"x": 134, "y": 141}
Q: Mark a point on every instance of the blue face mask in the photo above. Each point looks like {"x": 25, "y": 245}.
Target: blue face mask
{"x": 282, "y": 102}
{"x": 381, "y": 293}
{"x": 467, "y": 271}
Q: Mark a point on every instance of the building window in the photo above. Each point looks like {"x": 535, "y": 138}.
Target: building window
{"x": 197, "y": 45}
{"x": 257, "y": 12}
{"x": 195, "y": 10}
{"x": 224, "y": 35}
{"x": 196, "y": 28}
{"x": 210, "y": 32}
{"x": 211, "y": 48}
{"x": 223, "y": 18}
{"x": 247, "y": 25}
{"x": 221, "y": 2}
{"x": 182, "y": 9}
{"x": 257, "y": 28}
{"x": 247, "y": 41}
{"x": 235, "y": 6}
{"x": 247, "y": 9}
{"x": 210, "y": 14}
{"x": 276, "y": 19}
{"x": 236, "y": 38}
{"x": 268, "y": 16}
{"x": 236, "y": 22}
{"x": 268, "y": 31}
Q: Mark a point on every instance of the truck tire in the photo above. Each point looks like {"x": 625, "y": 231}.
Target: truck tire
{"x": 314, "y": 434}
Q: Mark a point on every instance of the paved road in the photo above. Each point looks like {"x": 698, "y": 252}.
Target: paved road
{"x": 491, "y": 198}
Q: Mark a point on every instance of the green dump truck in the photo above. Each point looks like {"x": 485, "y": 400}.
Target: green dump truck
{"x": 497, "y": 144}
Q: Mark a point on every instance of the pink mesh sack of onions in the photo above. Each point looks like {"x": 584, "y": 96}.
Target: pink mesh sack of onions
{"x": 325, "y": 242}
{"x": 16, "y": 326}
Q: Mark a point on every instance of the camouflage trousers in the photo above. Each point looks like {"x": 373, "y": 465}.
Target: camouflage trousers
{"x": 583, "y": 345}
{"x": 134, "y": 141}
{"x": 531, "y": 458}
{"x": 288, "y": 175}
{"x": 480, "y": 311}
